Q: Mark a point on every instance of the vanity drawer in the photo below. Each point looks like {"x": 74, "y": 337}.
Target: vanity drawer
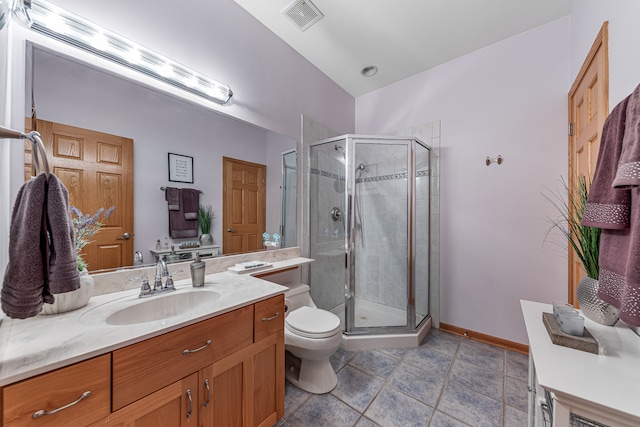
{"x": 57, "y": 389}
{"x": 268, "y": 317}
{"x": 142, "y": 368}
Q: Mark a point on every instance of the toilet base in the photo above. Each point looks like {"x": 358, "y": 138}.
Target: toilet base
{"x": 314, "y": 376}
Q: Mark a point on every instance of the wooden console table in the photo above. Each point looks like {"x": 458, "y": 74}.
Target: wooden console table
{"x": 603, "y": 387}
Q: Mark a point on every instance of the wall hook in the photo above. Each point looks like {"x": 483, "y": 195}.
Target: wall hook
{"x": 497, "y": 160}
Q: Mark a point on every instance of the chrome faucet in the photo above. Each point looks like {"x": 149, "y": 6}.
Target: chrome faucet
{"x": 161, "y": 271}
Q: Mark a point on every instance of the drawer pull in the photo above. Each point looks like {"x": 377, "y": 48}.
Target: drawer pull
{"x": 206, "y": 384}
{"x": 190, "y": 411}
{"x": 266, "y": 319}
{"x": 187, "y": 351}
{"x": 42, "y": 412}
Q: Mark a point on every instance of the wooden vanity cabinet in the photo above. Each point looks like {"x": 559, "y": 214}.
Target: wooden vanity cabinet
{"x": 176, "y": 379}
{"x": 239, "y": 382}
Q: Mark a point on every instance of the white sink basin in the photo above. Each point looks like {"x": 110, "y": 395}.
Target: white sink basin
{"x": 154, "y": 308}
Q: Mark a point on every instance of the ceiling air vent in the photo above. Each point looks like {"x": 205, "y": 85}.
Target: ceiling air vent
{"x": 303, "y": 13}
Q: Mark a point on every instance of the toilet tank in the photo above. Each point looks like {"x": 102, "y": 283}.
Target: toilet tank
{"x": 297, "y": 296}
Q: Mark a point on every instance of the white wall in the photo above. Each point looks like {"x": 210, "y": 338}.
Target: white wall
{"x": 587, "y": 17}
{"x": 509, "y": 99}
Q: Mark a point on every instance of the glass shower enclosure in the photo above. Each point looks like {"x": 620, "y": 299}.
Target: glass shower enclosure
{"x": 368, "y": 227}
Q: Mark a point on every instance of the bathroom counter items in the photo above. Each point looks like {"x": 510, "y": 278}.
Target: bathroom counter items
{"x": 40, "y": 344}
{"x": 603, "y": 387}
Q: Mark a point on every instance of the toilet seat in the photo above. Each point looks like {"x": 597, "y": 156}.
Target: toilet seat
{"x": 312, "y": 323}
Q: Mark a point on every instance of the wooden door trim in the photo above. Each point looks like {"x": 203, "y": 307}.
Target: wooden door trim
{"x": 600, "y": 44}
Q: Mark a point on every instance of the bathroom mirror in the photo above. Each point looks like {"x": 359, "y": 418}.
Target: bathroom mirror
{"x": 74, "y": 93}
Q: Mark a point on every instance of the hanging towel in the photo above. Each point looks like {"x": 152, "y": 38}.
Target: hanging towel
{"x": 614, "y": 206}
{"x": 63, "y": 266}
{"x": 24, "y": 281}
{"x": 179, "y": 226}
{"x": 172, "y": 196}
{"x": 190, "y": 203}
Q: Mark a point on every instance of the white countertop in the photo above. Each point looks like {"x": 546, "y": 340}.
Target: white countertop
{"x": 40, "y": 344}
{"x": 610, "y": 379}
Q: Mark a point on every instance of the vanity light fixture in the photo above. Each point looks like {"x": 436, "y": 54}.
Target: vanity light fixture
{"x": 70, "y": 28}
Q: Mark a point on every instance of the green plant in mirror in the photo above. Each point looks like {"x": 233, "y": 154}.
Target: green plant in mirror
{"x": 205, "y": 218}
{"x": 585, "y": 241}
{"x": 84, "y": 227}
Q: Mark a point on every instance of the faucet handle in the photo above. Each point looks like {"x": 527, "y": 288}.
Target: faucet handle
{"x": 145, "y": 289}
{"x": 169, "y": 283}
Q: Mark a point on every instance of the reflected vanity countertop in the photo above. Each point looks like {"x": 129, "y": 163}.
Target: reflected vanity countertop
{"x": 40, "y": 344}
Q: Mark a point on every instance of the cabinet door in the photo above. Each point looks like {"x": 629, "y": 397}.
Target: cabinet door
{"x": 173, "y": 405}
{"x": 222, "y": 394}
{"x": 268, "y": 380}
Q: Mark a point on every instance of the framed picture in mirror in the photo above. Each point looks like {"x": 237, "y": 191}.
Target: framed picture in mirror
{"x": 180, "y": 168}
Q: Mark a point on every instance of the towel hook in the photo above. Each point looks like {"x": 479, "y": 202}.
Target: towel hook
{"x": 36, "y": 145}
{"x": 497, "y": 160}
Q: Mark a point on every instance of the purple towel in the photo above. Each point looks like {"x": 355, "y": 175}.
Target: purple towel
{"x": 24, "y": 281}
{"x": 172, "y": 196}
{"x": 63, "y": 263}
{"x": 190, "y": 203}
{"x": 179, "y": 226}
{"x": 614, "y": 206}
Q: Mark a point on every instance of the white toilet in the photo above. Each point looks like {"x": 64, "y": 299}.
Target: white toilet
{"x": 311, "y": 336}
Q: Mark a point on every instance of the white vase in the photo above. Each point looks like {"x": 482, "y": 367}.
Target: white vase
{"x": 73, "y": 300}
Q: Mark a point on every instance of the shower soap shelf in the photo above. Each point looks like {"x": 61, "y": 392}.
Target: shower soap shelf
{"x": 245, "y": 267}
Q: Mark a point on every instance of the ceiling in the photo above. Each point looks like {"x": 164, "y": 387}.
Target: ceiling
{"x": 400, "y": 37}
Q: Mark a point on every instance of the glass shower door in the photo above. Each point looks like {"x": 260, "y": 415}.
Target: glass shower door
{"x": 379, "y": 189}
{"x": 327, "y": 217}
{"x": 289, "y": 199}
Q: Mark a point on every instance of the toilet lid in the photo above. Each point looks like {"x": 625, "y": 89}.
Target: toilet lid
{"x": 312, "y": 323}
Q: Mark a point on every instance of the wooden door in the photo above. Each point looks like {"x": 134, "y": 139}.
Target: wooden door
{"x": 588, "y": 110}
{"x": 244, "y": 205}
{"x": 173, "y": 405}
{"x": 97, "y": 169}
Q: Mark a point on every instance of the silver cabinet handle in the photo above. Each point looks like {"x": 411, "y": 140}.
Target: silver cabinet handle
{"x": 187, "y": 351}
{"x": 206, "y": 384}
{"x": 190, "y": 411}
{"x": 266, "y": 319}
{"x": 42, "y": 412}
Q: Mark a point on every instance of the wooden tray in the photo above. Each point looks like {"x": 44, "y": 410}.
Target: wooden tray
{"x": 585, "y": 343}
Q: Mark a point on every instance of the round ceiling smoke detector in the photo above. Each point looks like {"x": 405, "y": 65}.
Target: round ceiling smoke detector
{"x": 369, "y": 71}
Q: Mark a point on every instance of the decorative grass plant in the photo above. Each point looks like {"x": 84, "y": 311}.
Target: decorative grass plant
{"x": 585, "y": 241}
{"x": 205, "y": 218}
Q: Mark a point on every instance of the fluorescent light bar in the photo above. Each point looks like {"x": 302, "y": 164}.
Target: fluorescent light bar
{"x": 65, "y": 26}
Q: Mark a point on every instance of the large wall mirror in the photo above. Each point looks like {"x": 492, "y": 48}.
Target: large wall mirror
{"x": 66, "y": 91}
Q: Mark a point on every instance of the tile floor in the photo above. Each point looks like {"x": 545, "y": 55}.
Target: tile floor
{"x": 448, "y": 381}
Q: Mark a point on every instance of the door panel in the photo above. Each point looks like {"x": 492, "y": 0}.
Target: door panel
{"x": 588, "y": 109}
{"x": 244, "y": 210}
{"x": 97, "y": 170}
